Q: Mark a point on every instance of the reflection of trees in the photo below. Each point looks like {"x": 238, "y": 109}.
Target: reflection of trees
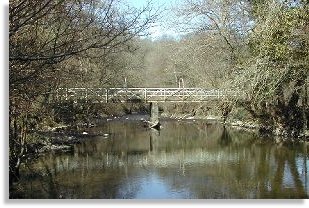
{"x": 285, "y": 161}
{"x": 258, "y": 171}
{"x": 59, "y": 180}
{"x": 225, "y": 138}
{"x": 223, "y": 164}
{"x": 263, "y": 168}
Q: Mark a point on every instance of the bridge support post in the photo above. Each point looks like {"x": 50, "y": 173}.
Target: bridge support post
{"x": 106, "y": 95}
{"x": 154, "y": 115}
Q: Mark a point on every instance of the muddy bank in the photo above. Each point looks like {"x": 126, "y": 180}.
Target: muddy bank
{"x": 62, "y": 138}
{"x": 244, "y": 124}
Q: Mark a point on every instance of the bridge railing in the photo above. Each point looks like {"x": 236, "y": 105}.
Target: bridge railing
{"x": 143, "y": 94}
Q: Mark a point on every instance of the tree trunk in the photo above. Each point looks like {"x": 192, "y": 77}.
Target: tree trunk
{"x": 17, "y": 142}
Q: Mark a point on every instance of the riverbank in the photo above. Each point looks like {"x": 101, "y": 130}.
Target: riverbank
{"x": 253, "y": 126}
{"x": 62, "y": 138}
{"x": 248, "y": 125}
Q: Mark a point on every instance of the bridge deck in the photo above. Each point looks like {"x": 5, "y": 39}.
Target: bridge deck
{"x": 143, "y": 94}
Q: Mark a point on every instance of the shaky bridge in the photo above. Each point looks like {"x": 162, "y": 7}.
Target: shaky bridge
{"x": 107, "y": 95}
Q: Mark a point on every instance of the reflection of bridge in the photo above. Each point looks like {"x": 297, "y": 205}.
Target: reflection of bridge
{"x": 143, "y": 94}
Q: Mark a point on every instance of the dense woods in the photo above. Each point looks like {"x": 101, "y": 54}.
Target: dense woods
{"x": 60, "y": 43}
{"x": 259, "y": 48}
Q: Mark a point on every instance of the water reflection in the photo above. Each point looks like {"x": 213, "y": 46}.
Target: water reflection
{"x": 185, "y": 159}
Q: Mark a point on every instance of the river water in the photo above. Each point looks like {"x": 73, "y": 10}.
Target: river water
{"x": 187, "y": 159}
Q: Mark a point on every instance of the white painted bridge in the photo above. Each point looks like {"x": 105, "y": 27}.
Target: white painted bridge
{"x": 107, "y": 95}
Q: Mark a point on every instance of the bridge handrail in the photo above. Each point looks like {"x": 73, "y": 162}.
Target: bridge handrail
{"x": 188, "y": 94}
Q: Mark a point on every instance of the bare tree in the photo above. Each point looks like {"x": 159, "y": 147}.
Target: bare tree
{"x": 227, "y": 19}
{"x": 48, "y": 39}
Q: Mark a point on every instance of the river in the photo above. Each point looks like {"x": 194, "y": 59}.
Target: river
{"x": 186, "y": 159}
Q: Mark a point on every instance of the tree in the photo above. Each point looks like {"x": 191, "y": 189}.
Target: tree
{"x": 48, "y": 41}
{"x": 224, "y": 20}
{"x": 277, "y": 76}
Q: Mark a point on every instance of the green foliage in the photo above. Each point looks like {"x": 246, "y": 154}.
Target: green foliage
{"x": 279, "y": 69}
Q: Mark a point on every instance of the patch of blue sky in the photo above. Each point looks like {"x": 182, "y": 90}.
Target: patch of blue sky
{"x": 164, "y": 27}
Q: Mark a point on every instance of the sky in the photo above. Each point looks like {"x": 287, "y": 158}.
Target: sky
{"x": 162, "y": 27}
{"x": 140, "y": 3}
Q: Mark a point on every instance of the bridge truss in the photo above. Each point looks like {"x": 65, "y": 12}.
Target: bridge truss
{"x": 107, "y": 95}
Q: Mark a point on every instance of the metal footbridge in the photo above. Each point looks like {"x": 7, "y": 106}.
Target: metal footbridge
{"x": 113, "y": 95}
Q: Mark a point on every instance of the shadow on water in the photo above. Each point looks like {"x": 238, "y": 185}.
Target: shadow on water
{"x": 185, "y": 159}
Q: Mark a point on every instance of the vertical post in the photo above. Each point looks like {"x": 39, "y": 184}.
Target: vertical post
{"x": 106, "y": 95}
{"x": 126, "y": 95}
{"x": 75, "y": 96}
{"x": 154, "y": 115}
{"x": 164, "y": 94}
{"x": 66, "y": 93}
{"x": 57, "y": 95}
{"x": 126, "y": 89}
{"x": 145, "y": 95}
{"x": 183, "y": 92}
{"x": 181, "y": 84}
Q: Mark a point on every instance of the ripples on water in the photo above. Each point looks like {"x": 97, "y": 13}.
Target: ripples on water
{"x": 186, "y": 159}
